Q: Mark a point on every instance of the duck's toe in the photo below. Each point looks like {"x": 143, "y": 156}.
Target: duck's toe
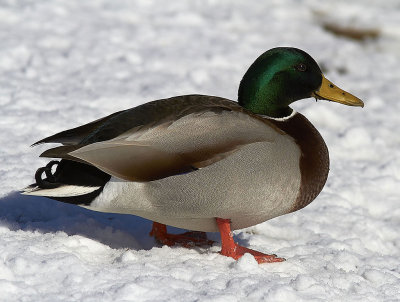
{"x": 237, "y": 251}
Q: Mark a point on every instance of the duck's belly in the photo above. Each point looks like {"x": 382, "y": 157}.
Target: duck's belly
{"x": 257, "y": 183}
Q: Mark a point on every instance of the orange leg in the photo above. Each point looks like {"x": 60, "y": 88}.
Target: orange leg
{"x": 231, "y": 249}
{"x": 187, "y": 239}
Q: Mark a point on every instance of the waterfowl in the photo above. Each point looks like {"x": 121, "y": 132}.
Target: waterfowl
{"x": 202, "y": 163}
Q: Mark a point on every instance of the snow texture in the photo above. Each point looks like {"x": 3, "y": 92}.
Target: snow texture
{"x": 67, "y": 62}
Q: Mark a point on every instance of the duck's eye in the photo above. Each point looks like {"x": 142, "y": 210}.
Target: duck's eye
{"x": 301, "y": 67}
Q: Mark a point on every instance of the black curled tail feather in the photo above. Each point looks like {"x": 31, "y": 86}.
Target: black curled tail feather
{"x": 50, "y": 181}
{"x": 71, "y": 173}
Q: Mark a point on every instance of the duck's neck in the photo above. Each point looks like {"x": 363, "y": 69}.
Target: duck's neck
{"x": 273, "y": 112}
{"x": 265, "y": 108}
{"x": 264, "y": 95}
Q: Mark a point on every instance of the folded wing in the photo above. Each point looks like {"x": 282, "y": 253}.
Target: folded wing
{"x": 196, "y": 136}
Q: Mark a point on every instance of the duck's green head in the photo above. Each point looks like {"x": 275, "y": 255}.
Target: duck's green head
{"x": 283, "y": 75}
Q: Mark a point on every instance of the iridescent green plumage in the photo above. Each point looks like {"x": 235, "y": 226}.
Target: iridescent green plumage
{"x": 276, "y": 79}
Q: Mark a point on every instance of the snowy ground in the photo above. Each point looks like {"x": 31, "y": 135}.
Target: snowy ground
{"x": 63, "y": 63}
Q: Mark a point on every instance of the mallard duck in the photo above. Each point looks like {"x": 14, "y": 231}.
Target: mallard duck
{"x": 202, "y": 163}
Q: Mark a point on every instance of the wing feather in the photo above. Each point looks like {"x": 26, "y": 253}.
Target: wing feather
{"x": 76, "y": 135}
{"x": 192, "y": 142}
{"x": 163, "y": 138}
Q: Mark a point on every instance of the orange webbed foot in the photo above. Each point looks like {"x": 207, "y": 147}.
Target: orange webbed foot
{"x": 231, "y": 249}
{"x": 187, "y": 239}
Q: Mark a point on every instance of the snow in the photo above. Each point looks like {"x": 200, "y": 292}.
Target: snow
{"x": 64, "y": 63}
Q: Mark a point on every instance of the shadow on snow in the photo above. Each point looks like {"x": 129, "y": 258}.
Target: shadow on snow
{"x": 32, "y": 213}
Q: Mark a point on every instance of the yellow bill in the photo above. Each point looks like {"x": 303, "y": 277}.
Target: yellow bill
{"x": 330, "y": 92}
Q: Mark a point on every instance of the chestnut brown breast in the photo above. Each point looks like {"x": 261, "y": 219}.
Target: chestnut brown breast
{"x": 314, "y": 160}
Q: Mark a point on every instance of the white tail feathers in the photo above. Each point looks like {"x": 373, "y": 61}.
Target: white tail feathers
{"x": 61, "y": 191}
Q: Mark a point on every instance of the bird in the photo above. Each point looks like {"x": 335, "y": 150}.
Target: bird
{"x": 199, "y": 162}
